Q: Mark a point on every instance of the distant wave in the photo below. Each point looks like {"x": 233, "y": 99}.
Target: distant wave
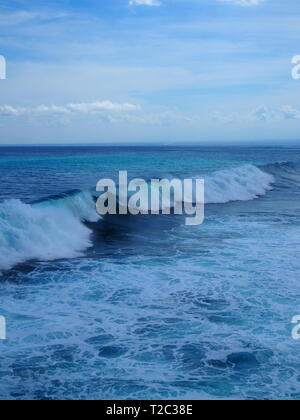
{"x": 45, "y": 231}
{"x": 55, "y": 229}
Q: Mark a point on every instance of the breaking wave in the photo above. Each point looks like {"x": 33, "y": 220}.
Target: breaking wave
{"x": 238, "y": 184}
{"x": 55, "y": 229}
{"x": 45, "y": 231}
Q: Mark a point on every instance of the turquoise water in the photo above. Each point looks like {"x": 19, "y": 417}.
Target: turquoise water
{"x": 145, "y": 307}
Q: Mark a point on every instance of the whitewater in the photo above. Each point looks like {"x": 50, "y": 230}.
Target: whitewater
{"x": 47, "y": 231}
{"x": 55, "y": 228}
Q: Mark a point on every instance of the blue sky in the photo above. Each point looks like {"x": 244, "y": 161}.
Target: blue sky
{"x": 149, "y": 70}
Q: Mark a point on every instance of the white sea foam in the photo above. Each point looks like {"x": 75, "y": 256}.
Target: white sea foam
{"x": 45, "y": 231}
{"x": 244, "y": 183}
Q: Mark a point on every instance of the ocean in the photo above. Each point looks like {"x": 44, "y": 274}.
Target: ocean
{"x": 145, "y": 307}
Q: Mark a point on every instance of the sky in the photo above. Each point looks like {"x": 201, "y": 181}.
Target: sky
{"x": 119, "y": 71}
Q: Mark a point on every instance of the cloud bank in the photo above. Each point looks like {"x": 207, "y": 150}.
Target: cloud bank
{"x": 86, "y": 108}
{"x": 263, "y": 113}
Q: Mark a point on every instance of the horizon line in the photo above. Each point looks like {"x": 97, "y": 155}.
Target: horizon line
{"x": 262, "y": 143}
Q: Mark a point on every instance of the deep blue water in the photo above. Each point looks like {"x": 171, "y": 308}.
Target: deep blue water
{"x": 145, "y": 307}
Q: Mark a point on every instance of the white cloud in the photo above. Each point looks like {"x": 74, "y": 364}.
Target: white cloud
{"x": 102, "y": 106}
{"x": 286, "y": 112}
{"x": 245, "y": 3}
{"x": 163, "y": 118}
{"x": 90, "y": 108}
{"x": 262, "y": 113}
{"x": 144, "y": 3}
{"x": 9, "y": 111}
{"x": 290, "y": 113}
{"x": 105, "y": 111}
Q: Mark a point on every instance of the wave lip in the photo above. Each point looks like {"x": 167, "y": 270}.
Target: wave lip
{"x": 46, "y": 231}
{"x": 244, "y": 183}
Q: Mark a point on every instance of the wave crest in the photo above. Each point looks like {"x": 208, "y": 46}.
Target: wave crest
{"x": 54, "y": 229}
{"x": 45, "y": 231}
{"x": 244, "y": 183}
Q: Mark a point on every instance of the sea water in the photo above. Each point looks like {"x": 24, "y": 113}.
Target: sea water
{"x": 145, "y": 307}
